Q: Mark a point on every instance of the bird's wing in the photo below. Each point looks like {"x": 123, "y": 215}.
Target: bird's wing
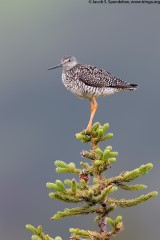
{"x": 95, "y": 77}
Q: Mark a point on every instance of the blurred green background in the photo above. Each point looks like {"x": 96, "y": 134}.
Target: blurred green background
{"x": 39, "y": 117}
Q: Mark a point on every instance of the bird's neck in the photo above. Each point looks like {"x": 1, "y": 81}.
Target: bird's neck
{"x": 68, "y": 68}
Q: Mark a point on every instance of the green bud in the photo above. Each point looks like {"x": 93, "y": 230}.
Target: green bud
{"x": 58, "y": 238}
{"x": 60, "y": 163}
{"x": 154, "y": 194}
{"x": 39, "y": 229}
{"x": 111, "y": 160}
{"x": 99, "y": 151}
{"x": 109, "y": 148}
{"x": 98, "y": 162}
{"x": 95, "y": 126}
{"x": 118, "y": 220}
{"x": 74, "y": 185}
{"x": 31, "y": 228}
{"x": 100, "y": 132}
{"x": 34, "y": 237}
{"x": 79, "y": 136}
{"x": 145, "y": 168}
{"x": 113, "y": 154}
{"x": 111, "y": 222}
{"x": 71, "y": 164}
{"x": 83, "y": 183}
{"x": 51, "y": 195}
{"x": 106, "y": 154}
{"x": 60, "y": 186}
{"x": 105, "y": 127}
{"x": 52, "y": 186}
{"x": 150, "y": 165}
{"x": 108, "y": 136}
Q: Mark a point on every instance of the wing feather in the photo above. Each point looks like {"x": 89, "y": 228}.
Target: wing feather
{"x": 95, "y": 77}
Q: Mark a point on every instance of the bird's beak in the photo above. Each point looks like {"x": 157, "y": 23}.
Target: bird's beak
{"x": 60, "y": 65}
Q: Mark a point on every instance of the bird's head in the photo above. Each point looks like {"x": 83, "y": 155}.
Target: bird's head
{"x": 67, "y": 62}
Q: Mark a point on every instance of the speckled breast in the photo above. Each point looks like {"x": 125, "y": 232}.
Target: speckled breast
{"x": 82, "y": 90}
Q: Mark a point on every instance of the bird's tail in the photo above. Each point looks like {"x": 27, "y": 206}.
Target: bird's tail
{"x": 125, "y": 86}
{"x": 132, "y": 86}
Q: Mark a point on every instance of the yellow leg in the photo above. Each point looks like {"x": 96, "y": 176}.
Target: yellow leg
{"x": 94, "y": 107}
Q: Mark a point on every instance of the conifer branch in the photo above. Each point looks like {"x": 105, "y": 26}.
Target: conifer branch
{"x": 93, "y": 189}
{"x": 129, "y": 176}
{"x": 74, "y": 212}
{"x": 65, "y": 197}
{"x": 132, "y": 202}
{"x": 62, "y": 167}
{"x": 39, "y": 235}
{"x": 135, "y": 187}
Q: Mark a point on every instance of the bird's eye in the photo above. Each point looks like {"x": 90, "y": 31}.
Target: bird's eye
{"x": 69, "y": 60}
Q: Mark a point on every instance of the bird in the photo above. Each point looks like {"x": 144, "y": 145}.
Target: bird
{"x": 90, "y": 82}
